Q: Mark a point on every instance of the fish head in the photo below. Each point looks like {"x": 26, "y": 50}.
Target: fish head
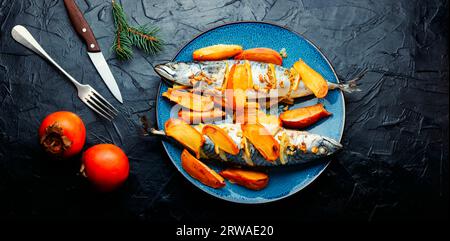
{"x": 176, "y": 72}
{"x": 166, "y": 71}
{"x": 328, "y": 146}
{"x": 313, "y": 145}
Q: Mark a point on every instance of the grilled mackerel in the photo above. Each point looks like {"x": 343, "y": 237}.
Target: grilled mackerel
{"x": 296, "y": 147}
{"x": 268, "y": 80}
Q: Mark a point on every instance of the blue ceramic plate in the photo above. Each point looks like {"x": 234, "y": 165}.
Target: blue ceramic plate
{"x": 284, "y": 181}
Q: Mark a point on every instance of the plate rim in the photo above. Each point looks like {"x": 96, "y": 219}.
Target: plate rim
{"x": 295, "y": 190}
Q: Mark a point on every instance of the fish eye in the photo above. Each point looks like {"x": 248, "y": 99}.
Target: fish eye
{"x": 322, "y": 150}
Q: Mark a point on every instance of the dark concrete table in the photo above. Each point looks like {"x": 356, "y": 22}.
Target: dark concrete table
{"x": 395, "y": 164}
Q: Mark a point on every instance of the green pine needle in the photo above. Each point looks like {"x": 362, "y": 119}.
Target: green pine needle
{"x": 123, "y": 46}
{"x": 143, "y": 37}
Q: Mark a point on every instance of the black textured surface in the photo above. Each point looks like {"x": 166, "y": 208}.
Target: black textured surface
{"x": 395, "y": 164}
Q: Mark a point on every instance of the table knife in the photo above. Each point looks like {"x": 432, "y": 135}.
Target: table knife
{"x": 81, "y": 26}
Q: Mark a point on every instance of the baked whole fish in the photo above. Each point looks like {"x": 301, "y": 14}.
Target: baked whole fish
{"x": 267, "y": 80}
{"x": 291, "y": 146}
{"x": 296, "y": 147}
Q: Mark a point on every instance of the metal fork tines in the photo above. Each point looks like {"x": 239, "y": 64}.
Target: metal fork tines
{"x": 86, "y": 93}
{"x": 96, "y": 102}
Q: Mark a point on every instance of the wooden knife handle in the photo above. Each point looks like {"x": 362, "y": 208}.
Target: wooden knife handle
{"x": 81, "y": 26}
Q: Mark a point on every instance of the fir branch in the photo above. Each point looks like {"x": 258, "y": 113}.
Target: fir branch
{"x": 122, "y": 43}
{"x": 143, "y": 37}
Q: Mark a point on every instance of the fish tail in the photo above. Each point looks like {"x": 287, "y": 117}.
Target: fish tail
{"x": 352, "y": 85}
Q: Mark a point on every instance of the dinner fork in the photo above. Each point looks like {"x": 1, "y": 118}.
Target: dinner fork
{"x": 86, "y": 93}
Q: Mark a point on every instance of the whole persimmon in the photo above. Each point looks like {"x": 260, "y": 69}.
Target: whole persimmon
{"x": 62, "y": 134}
{"x": 106, "y": 166}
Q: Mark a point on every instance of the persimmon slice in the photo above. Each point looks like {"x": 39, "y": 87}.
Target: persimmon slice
{"x": 221, "y": 139}
{"x": 196, "y": 117}
{"x": 216, "y": 52}
{"x": 265, "y": 55}
{"x": 185, "y": 134}
{"x": 303, "y": 117}
{"x": 249, "y": 179}
{"x": 189, "y": 100}
{"x": 198, "y": 170}
{"x": 262, "y": 139}
{"x": 240, "y": 77}
{"x": 312, "y": 79}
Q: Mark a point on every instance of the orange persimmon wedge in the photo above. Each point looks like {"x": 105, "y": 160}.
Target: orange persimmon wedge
{"x": 200, "y": 171}
{"x": 189, "y": 100}
{"x": 303, "y": 117}
{"x": 265, "y": 55}
{"x": 221, "y": 139}
{"x": 216, "y": 52}
{"x": 239, "y": 80}
{"x": 253, "y": 114}
{"x": 246, "y": 111}
{"x": 196, "y": 117}
{"x": 240, "y": 76}
{"x": 271, "y": 122}
{"x": 250, "y": 179}
{"x": 185, "y": 134}
{"x": 262, "y": 139}
{"x": 264, "y": 118}
{"x": 239, "y": 101}
{"x": 312, "y": 79}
